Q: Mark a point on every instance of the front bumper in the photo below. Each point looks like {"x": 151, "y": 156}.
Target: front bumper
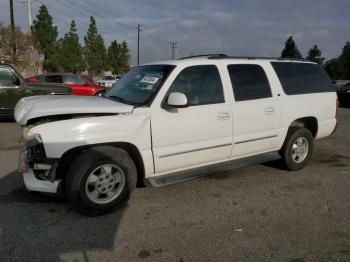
{"x": 34, "y": 184}
{"x": 31, "y": 182}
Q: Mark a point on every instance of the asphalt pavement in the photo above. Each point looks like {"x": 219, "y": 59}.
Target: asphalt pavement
{"x": 258, "y": 213}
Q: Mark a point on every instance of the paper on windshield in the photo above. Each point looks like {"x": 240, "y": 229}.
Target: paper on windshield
{"x": 149, "y": 80}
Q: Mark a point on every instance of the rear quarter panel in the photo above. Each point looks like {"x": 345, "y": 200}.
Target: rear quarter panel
{"x": 319, "y": 105}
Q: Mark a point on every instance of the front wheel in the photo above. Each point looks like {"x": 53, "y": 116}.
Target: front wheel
{"x": 100, "y": 180}
{"x": 297, "y": 148}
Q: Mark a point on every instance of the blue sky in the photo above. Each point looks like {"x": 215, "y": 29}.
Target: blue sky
{"x": 241, "y": 27}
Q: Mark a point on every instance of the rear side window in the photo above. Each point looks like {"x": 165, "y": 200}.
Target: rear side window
{"x": 201, "y": 85}
{"x": 53, "y": 78}
{"x": 5, "y": 77}
{"x": 249, "y": 82}
{"x": 302, "y": 78}
{"x": 73, "y": 80}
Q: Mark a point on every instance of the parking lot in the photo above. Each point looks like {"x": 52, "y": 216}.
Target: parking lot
{"x": 258, "y": 213}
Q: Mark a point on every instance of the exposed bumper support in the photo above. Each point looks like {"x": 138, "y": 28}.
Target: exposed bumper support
{"x": 34, "y": 184}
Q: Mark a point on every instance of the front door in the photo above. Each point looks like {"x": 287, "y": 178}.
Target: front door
{"x": 10, "y": 93}
{"x": 198, "y": 134}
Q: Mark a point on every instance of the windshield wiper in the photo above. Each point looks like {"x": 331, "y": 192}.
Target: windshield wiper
{"x": 122, "y": 100}
{"x": 119, "y": 99}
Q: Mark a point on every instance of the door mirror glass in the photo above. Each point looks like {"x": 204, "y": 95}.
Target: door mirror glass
{"x": 176, "y": 100}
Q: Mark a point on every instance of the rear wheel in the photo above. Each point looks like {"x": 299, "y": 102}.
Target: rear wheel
{"x": 100, "y": 180}
{"x": 297, "y": 148}
{"x": 99, "y": 94}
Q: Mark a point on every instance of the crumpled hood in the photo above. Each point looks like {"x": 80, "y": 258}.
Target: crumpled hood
{"x": 38, "y": 106}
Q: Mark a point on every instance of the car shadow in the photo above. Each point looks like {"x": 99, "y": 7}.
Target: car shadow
{"x": 39, "y": 227}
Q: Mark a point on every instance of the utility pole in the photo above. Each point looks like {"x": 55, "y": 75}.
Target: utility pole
{"x": 173, "y": 47}
{"x": 30, "y": 21}
{"x": 138, "y": 43}
{"x": 29, "y": 3}
{"x": 13, "y": 39}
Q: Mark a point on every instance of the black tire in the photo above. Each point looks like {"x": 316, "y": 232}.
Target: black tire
{"x": 99, "y": 94}
{"x": 80, "y": 170}
{"x": 293, "y": 134}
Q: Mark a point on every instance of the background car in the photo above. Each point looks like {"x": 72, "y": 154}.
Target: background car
{"x": 108, "y": 80}
{"x": 13, "y": 87}
{"x": 79, "y": 86}
{"x": 343, "y": 91}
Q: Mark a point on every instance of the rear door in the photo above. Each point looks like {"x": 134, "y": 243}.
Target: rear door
{"x": 198, "y": 134}
{"x": 256, "y": 114}
{"x": 53, "y": 79}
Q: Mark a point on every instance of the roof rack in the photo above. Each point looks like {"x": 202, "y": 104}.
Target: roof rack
{"x": 223, "y": 56}
{"x": 204, "y": 55}
{"x": 255, "y": 57}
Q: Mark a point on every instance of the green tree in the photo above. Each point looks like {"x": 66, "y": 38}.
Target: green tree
{"x": 333, "y": 68}
{"x": 291, "y": 50}
{"x": 339, "y": 68}
{"x": 124, "y": 57}
{"x": 113, "y": 57}
{"x": 46, "y": 34}
{"x": 315, "y": 55}
{"x": 71, "y": 53}
{"x": 344, "y": 60}
{"x": 95, "y": 51}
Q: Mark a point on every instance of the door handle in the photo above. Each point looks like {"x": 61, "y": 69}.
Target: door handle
{"x": 269, "y": 110}
{"x": 223, "y": 115}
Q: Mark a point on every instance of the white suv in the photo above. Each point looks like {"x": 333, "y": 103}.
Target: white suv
{"x": 171, "y": 121}
{"x": 108, "y": 80}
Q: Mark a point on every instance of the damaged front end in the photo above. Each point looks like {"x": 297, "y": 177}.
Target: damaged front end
{"x": 37, "y": 170}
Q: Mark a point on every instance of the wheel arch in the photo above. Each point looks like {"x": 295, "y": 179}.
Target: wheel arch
{"x": 309, "y": 122}
{"x": 69, "y": 156}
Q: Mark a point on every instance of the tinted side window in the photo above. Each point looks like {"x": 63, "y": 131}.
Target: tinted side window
{"x": 73, "y": 80}
{"x": 201, "y": 84}
{"x": 42, "y": 78}
{"x": 302, "y": 78}
{"x": 6, "y": 77}
{"x": 53, "y": 78}
{"x": 249, "y": 82}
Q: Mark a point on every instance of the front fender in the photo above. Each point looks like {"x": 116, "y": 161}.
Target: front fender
{"x": 60, "y": 136}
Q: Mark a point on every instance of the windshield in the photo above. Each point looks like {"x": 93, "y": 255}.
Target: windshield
{"x": 140, "y": 84}
{"x": 108, "y": 78}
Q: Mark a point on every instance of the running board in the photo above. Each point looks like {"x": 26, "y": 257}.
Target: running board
{"x": 182, "y": 176}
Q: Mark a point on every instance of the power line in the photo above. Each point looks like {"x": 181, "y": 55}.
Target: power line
{"x": 155, "y": 38}
{"x": 158, "y": 37}
{"x": 89, "y": 11}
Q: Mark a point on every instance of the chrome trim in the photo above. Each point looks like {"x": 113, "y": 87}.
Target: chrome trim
{"x": 255, "y": 139}
{"x": 194, "y": 150}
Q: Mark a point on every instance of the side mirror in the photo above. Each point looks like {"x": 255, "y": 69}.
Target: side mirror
{"x": 176, "y": 100}
{"x": 15, "y": 80}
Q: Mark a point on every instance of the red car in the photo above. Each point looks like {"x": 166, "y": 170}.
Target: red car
{"x": 79, "y": 86}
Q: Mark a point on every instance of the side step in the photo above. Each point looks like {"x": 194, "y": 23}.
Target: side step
{"x": 182, "y": 176}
